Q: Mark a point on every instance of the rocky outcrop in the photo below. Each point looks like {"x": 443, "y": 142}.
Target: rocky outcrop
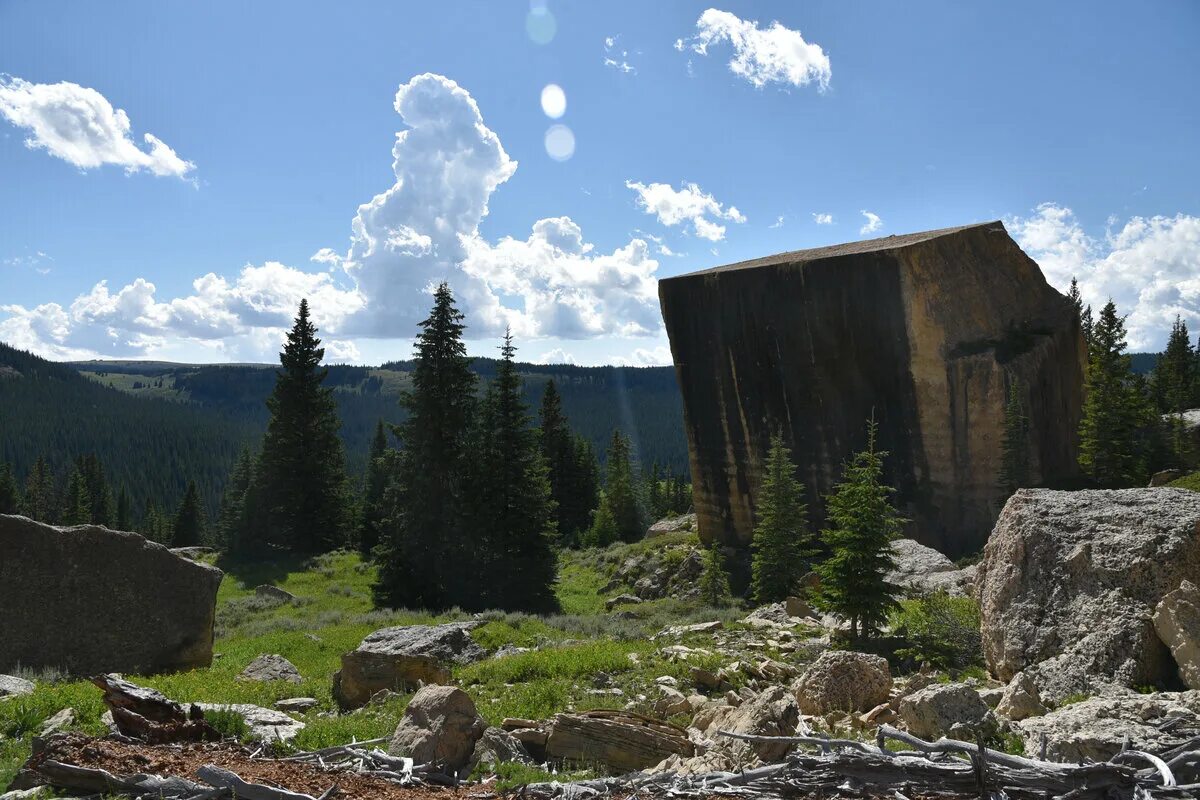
{"x": 926, "y": 331}
{"x": 1177, "y": 622}
{"x": 498, "y": 746}
{"x": 1020, "y": 699}
{"x": 680, "y": 524}
{"x": 1097, "y": 728}
{"x": 1070, "y": 580}
{"x": 440, "y": 726}
{"x": 923, "y": 570}
{"x": 773, "y": 713}
{"x": 842, "y": 680}
{"x": 947, "y": 709}
{"x": 402, "y": 658}
{"x": 89, "y": 600}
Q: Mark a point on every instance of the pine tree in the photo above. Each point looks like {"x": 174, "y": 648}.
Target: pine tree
{"x": 1014, "y": 459}
{"x": 1174, "y": 377}
{"x": 1083, "y": 312}
{"x": 622, "y": 490}
{"x": 862, "y": 525}
{"x": 603, "y": 531}
{"x": 374, "y": 490}
{"x": 10, "y": 497}
{"x": 102, "y": 506}
{"x": 515, "y": 515}
{"x": 189, "y": 524}
{"x": 124, "y": 518}
{"x": 781, "y": 543}
{"x": 40, "y": 502}
{"x": 571, "y": 472}
{"x": 1113, "y": 409}
{"x": 585, "y": 486}
{"x": 231, "y": 530}
{"x": 77, "y": 503}
{"x": 714, "y": 579}
{"x": 424, "y": 547}
{"x": 302, "y": 470}
{"x": 154, "y": 525}
{"x": 654, "y": 495}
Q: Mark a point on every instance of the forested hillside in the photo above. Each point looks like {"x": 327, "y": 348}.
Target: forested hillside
{"x": 643, "y": 402}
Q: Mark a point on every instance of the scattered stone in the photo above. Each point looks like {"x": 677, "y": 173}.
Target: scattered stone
{"x": 772, "y": 713}
{"x": 947, "y": 709}
{"x": 681, "y": 652}
{"x": 510, "y": 650}
{"x": 842, "y": 680}
{"x": 1070, "y": 581}
{"x": 622, "y": 742}
{"x": 772, "y": 615}
{"x": 708, "y": 681}
{"x": 274, "y": 593}
{"x": 879, "y": 715}
{"x": 685, "y": 522}
{"x": 671, "y": 702}
{"x": 12, "y": 686}
{"x": 272, "y": 667}
{"x": 297, "y": 705}
{"x": 797, "y": 607}
{"x": 991, "y": 695}
{"x": 113, "y": 601}
{"x": 58, "y": 722}
{"x": 1021, "y": 699}
{"x": 1177, "y": 622}
{"x": 439, "y": 726}
{"x": 498, "y": 746}
{"x": 677, "y": 631}
{"x": 1097, "y": 728}
{"x": 402, "y": 658}
{"x": 621, "y": 600}
{"x": 1164, "y": 477}
{"x": 265, "y": 724}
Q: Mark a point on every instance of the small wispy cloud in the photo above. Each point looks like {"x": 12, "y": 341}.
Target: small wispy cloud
{"x": 615, "y": 57}
{"x": 872, "y": 224}
{"x": 822, "y": 219}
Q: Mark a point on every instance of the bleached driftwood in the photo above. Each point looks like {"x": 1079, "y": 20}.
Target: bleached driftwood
{"x": 224, "y": 779}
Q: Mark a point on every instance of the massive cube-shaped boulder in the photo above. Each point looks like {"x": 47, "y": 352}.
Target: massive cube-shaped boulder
{"x": 924, "y": 331}
{"x": 90, "y": 600}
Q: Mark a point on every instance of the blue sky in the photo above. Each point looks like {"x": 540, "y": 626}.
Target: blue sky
{"x": 704, "y": 134}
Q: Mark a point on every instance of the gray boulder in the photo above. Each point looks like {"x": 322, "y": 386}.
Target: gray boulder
{"x": 947, "y": 709}
{"x": 498, "y": 746}
{"x": 12, "y": 686}
{"x": 1177, "y": 622}
{"x": 272, "y": 667}
{"x": 842, "y": 680}
{"x": 403, "y": 658}
{"x": 684, "y": 522}
{"x": 1070, "y": 581}
{"x": 270, "y": 592}
{"x": 265, "y": 724}
{"x": 1097, "y": 728}
{"x": 88, "y": 600}
{"x": 440, "y": 726}
{"x": 297, "y": 705}
{"x": 1020, "y": 700}
{"x": 923, "y": 570}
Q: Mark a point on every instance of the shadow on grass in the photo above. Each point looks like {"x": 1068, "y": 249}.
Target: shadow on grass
{"x": 270, "y": 567}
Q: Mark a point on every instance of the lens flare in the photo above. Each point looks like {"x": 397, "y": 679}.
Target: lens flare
{"x": 554, "y": 101}
{"x": 560, "y": 142}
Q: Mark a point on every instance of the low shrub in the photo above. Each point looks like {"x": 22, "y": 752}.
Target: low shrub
{"x": 941, "y": 630}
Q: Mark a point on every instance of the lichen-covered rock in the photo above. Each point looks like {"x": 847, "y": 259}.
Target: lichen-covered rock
{"x": 923, "y": 570}
{"x": 440, "y": 726}
{"x": 1097, "y": 728}
{"x": 498, "y": 746}
{"x": 12, "y": 686}
{"x": 264, "y": 724}
{"x": 1020, "y": 700}
{"x": 402, "y": 658}
{"x": 270, "y": 667}
{"x": 947, "y": 709}
{"x": 842, "y": 680}
{"x": 1070, "y": 580}
{"x": 684, "y": 522}
{"x": 773, "y": 713}
{"x": 89, "y": 600}
{"x": 1177, "y": 622}
{"x": 955, "y": 316}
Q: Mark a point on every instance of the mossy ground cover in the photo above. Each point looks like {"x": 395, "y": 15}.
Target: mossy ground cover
{"x": 334, "y": 612}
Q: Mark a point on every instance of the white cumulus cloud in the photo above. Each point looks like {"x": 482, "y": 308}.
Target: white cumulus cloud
{"x": 644, "y": 357}
{"x": 1149, "y": 266}
{"x": 80, "y": 126}
{"x": 872, "y": 224}
{"x": 823, "y": 219}
{"x": 687, "y": 204}
{"x": 761, "y": 55}
{"x": 555, "y": 356}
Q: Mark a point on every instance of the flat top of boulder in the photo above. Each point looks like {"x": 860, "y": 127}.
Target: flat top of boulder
{"x": 845, "y": 249}
{"x": 449, "y": 641}
{"x": 915, "y": 559}
{"x": 12, "y": 686}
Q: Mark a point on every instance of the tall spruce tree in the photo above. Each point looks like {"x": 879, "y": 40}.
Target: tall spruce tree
{"x": 862, "y": 525}
{"x": 124, "y": 517}
{"x": 40, "y": 501}
{"x": 10, "y": 496}
{"x": 77, "y": 503}
{"x": 515, "y": 515}
{"x": 374, "y": 490}
{"x": 102, "y": 504}
{"x": 622, "y": 490}
{"x": 188, "y": 528}
{"x": 1083, "y": 312}
{"x": 1114, "y": 410}
{"x": 1174, "y": 378}
{"x": 1014, "y": 455}
{"x": 781, "y": 543}
{"x": 302, "y": 473}
{"x": 571, "y": 465}
{"x": 603, "y": 530}
{"x": 424, "y": 547}
{"x": 231, "y": 529}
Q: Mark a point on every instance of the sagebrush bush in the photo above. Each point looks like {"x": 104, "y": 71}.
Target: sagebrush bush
{"x": 941, "y": 630}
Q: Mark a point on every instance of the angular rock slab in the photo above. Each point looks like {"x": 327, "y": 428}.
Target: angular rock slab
{"x": 270, "y": 667}
{"x": 402, "y": 657}
{"x": 1177, "y": 622}
{"x": 1096, "y": 729}
{"x": 1070, "y": 580}
{"x": 951, "y": 709}
{"x": 88, "y": 600}
{"x": 924, "y": 331}
{"x": 440, "y": 726}
{"x": 622, "y": 742}
{"x": 265, "y": 724}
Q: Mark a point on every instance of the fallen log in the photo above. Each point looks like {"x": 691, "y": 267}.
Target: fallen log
{"x": 224, "y": 779}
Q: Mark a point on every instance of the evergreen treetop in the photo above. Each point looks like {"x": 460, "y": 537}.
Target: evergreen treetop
{"x": 1014, "y": 459}
{"x": 188, "y": 529}
{"x": 781, "y": 544}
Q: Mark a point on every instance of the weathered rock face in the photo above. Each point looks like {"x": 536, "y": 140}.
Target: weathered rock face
{"x": 926, "y": 331}
{"x": 622, "y": 742}
{"x": 922, "y": 570}
{"x": 1070, "y": 580}
{"x": 952, "y": 709}
{"x": 88, "y": 600}
{"x": 439, "y": 726}
{"x": 1177, "y": 622}
{"x": 401, "y": 658}
{"x": 1097, "y": 728}
{"x": 271, "y": 667}
{"x": 842, "y": 680}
